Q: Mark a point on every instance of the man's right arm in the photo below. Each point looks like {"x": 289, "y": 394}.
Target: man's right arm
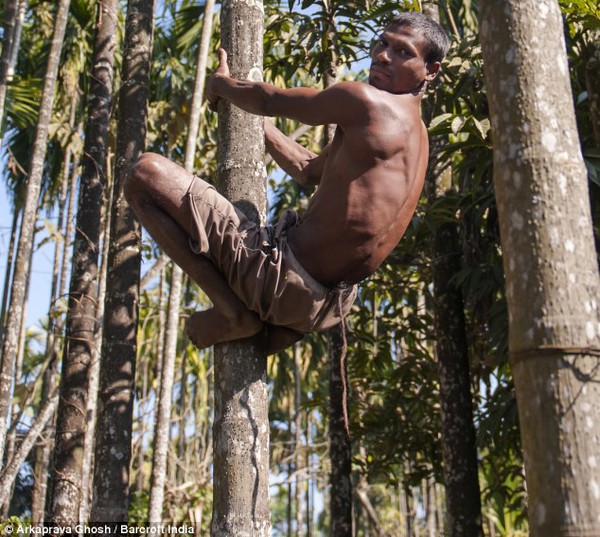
{"x": 302, "y": 165}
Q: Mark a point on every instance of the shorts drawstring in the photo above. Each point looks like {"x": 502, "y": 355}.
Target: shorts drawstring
{"x": 343, "y": 353}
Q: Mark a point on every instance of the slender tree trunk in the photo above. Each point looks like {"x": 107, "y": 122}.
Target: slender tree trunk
{"x": 552, "y": 282}
{"x": 241, "y": 428}
{"x": 340, "y": 446}
{"x": 11, "y": 469}
{"x": 199, "y": 82}
{"x": 459, "y": 447}
{"x": 298, "y": 434}
{"x": 592, "y": 82}
{"x": 81, "y": 317}
{"x": 10, "y": 23}
{"x": 46, "y": 442}
{"x": 16, "y": 42}
{"x": 117, "y": 368}
{"x": 371, "y": 518}
{"x": 9, "y": 265}
{"x": 182, "y": 467}
{"x": 87, "y": 470}
{"x": 165, "y": 398}
{"x": 25, "y": 245}
{"x": 159, "y": 460}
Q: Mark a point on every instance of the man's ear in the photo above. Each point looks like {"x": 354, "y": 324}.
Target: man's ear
{"x": 433, "y": 69}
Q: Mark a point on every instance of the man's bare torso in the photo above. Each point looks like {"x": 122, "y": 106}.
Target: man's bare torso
{"x": 371, "y": 182}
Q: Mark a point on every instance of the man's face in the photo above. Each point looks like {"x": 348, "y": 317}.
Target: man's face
{"x": 397, "y": 62}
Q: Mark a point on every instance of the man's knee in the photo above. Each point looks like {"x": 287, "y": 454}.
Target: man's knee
{"x": 140, "y": 176}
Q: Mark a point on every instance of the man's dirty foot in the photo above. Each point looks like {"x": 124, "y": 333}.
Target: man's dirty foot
{"x": 209, "y": 327}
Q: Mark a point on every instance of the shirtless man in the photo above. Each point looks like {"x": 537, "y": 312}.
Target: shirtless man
{"x": 299, "y": 276}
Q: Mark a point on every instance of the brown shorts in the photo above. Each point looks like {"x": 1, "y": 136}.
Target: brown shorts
{"x": 260, "y": 266}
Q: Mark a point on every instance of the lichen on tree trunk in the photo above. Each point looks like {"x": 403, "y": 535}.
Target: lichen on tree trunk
{"x": 552, "y": 280}
{"x": 241, "y": 426}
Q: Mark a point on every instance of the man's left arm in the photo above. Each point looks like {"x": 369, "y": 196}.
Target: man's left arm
{"x": 302, "y": 165}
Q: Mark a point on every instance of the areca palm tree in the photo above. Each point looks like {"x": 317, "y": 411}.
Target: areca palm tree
{"x": 25, "y": 244}
{"x": 81, "y": 326}
{"x": 159, "y": 461}
{"x": 117, "y": 376}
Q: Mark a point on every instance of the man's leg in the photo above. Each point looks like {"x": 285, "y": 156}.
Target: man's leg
{"x": 156, "y": 190}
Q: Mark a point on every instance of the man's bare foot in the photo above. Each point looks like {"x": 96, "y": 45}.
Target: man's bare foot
{"x": 278, "y": 338}
{"x": 206, "y": 328}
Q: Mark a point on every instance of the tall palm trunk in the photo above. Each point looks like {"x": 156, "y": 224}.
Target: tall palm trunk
{"x": 164, "y": 402}
{"x": 159, "y": 459}
{"x": 45, "y": 446}
{"x": 11, "y": 19}
{"x": 199, "y": 80}
{"x": 458, "y": 439}
{"x": 241, "y": 429}
{"x": 340, "y": 446}
{"x": 9, "y": 265}
{"x": 94, "y": 373}
{"x": 459, "y": 445}
{"x": 25, "y": 245}
{"x": 552, "y": 281}
{"x": 298, "y": 435}
{"x": 117, "y": 368}
{"x": 81, "y": 316}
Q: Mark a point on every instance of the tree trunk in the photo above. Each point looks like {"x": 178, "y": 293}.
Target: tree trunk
{"x": 45, "y": 446}
{"x": 81, "y": 316}
{"x": 10, "y": 24}
{"x": 592, "y": 82}
{"x": 340, "y": 446}
{"x": 30, "y": 207}
{"x": 54, "y": 328}
{"x": 16, "y": 41}
{"x": 552, "y": 281}
{"x": 459, "y": 444}
{"x": 89, "y": 441}
{"x": 199, "y": 82}
{"x": 298, "y": 434}
{"x": 117, "y": 376}
{"x": 241, "y": 427}
{"x": 159, "y": 460}
{"x": 10, "y": 471}
{"x": 164, "y": 402}
{"x": 9, "y": 265}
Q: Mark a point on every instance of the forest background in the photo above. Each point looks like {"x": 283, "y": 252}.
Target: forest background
{"x": 394, "y": 375}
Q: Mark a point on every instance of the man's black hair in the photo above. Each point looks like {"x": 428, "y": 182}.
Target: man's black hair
{"x": 437, "y": 40}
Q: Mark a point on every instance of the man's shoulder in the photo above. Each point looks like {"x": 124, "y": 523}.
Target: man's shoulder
{"x": 360, "y": 90}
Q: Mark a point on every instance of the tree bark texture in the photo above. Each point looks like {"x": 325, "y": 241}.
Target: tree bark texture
{"x": 159, "y": 459}
{"x": 199, "y": 82}
{"x": 10, "y": 24}
{"x": 165, "y": 399}
{"x": 592, "y": 82}
{"x": 459, "y": 446}
{"x": 80, "y": 341}
{"x": 12, "y": 467}
{"x": 7, "y": 274}
{"x": 117, "y": 377}
{"x": 340, "y": 446}
{"x": 241, "y": 427}
{"x": 30, "y": 207}
{"x": 552, "y": 277}
{"x": 458, "y": 438}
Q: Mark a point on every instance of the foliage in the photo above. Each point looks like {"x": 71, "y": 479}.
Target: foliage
{"x": 394, "y": 408}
